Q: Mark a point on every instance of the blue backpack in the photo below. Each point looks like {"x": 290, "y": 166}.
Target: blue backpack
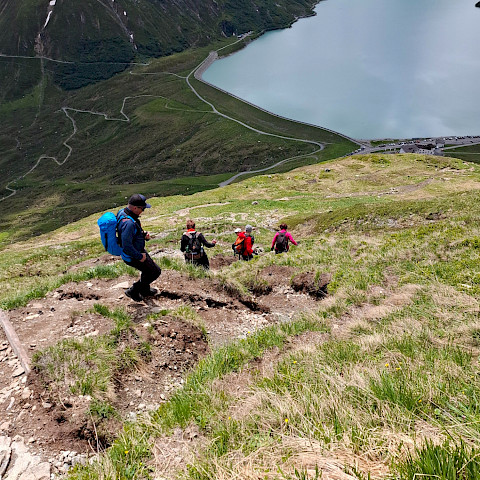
{"x": 108, "y": 233}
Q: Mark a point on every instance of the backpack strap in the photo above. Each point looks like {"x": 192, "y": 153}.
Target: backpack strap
{"x": 121, "y": 217}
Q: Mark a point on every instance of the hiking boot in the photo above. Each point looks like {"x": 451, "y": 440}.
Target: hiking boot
{"x": 150, "y": 292}
{"x": 133, "y": 294}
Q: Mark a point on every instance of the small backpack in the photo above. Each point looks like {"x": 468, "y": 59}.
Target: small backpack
{"x": 108, "y": 224}
{"x": 238, "y": 246}
{"x": 281, "y": 242}
{"x": 194, "y": 247}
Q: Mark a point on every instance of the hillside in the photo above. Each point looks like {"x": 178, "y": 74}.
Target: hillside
{"x": 88, "y": 41}
{"x": 353, "y": 356}
{"x": 64, "y": 156}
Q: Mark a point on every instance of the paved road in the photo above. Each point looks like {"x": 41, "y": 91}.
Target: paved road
{"x": 395, "y": 147}
{"x": 197, "y": 73}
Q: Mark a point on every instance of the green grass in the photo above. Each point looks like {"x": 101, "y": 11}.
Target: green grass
{"x": 348, "y": 393}
{"x": 395, "y": 361}
{"x": 449, "y": 461}
{"x": 87, "y": 366}
{"x": 194, "y": 402}
{"x": 469, "y": 153}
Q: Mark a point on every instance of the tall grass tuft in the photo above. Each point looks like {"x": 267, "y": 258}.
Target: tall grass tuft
{"x": 448, "y": 461}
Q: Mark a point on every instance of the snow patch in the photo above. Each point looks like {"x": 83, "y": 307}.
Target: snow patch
{"x": 48, "y": 18}
{"x": 125, "y": 13}
{"x": 53, "y": 2}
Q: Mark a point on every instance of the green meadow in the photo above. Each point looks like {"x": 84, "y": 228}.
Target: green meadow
{"x": 380, "y": 381}
{"x": 72, "y": 153}
{"x": 470, "y": 153}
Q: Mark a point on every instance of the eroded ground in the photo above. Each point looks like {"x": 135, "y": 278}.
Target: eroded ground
{"x": 53, "y": 420}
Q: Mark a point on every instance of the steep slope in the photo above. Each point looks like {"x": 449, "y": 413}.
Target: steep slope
{"x": 100, "y": 37}
{"x": 368, "y": 382}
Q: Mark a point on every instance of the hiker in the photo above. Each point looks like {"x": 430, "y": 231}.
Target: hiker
{"x": 192, "y": 244}
{"x": 243, "y": 245}
{"x": 281, "y": 239}
{"x": 132, "y": 239}
{"x": 249, "y": 241}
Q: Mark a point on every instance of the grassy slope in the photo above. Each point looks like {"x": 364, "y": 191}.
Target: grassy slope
{"x": 172, "y": 134}
{"x": 397, "y": 363}
{"x": 470, "y": 153}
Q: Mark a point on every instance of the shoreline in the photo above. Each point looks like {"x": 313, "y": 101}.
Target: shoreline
{"x": 360, "y": 141}
{"x": 213, "y": 56}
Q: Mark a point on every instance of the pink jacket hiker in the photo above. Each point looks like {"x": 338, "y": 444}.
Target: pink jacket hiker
{"x": 288, "y": 236}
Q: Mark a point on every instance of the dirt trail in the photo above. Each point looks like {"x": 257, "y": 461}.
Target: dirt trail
{"x": 54, "y": 422}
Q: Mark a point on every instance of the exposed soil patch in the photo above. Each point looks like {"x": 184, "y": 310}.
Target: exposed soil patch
{"x": 276, "y": 275}
{"x": 176, "y": 347}
{"x": 176, "y": 451}
{"x": 55, "y": 420}
{"x": 306, "y": 282}
{"x": 219, "y": 261}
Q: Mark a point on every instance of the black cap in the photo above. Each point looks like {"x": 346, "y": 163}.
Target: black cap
{"x": 138, "y": 200}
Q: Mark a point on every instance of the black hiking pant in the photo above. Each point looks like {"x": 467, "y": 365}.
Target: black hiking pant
{"x": 150, "y": 272}
{"x": 201, "y": 262}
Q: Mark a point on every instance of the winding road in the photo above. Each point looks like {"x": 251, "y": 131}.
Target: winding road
{"x": 197, "y": 72}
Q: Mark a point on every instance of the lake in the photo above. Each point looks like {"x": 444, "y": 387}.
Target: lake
{"x": 367, "y": 68}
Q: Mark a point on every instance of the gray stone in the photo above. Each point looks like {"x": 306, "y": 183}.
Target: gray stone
{"x": 23, "y": 465}
{"x": 79, "y": 460}
{"x": 39, "y": 471}
{"x": 26, "y": 393}
{"x": 5, "y": 456}
{"x": 18, "y": 371}
{"x": 12, "y": 401}
{"x": 4, "y": 427}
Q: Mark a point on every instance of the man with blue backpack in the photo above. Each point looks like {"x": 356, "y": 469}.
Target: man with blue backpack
{"x": 131, "y": 239}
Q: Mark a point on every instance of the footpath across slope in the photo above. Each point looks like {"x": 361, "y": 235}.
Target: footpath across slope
{"x": 279, "y": 384}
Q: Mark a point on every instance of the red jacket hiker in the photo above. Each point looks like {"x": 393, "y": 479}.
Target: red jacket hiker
{"x": 245, "y": 248}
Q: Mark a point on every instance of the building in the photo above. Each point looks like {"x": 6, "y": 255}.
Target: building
{"x": 421, "y": 150}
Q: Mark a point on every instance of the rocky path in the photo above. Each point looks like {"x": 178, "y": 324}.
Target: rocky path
{"x": 53, "y": 431}
{"x": 17, "y": 461}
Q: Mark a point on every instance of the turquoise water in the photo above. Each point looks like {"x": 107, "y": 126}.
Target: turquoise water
{"x": 367, "y": 68}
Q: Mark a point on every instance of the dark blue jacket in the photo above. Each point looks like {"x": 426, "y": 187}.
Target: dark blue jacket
{"x": 130, "y": 232}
